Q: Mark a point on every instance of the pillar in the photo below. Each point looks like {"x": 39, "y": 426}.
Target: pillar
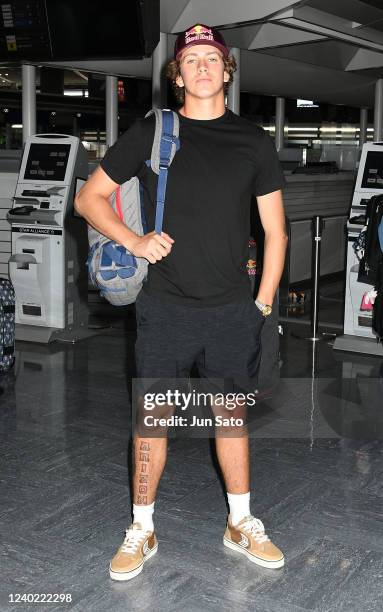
{"x": 234, "y": 93}
{"x": 28, "y": 79}
{"x": 159, "y": 84}
{"x": 363, "y": 126}
{"x": 279, "y": 123}
{"x": 8, "y": 135}
{"x": 111, "y": 117}
{"x": 378, "y": 111}
{"x": 74, "y": 126}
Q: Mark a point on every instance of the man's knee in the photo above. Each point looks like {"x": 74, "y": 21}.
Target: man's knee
{"x": 153, "y": 422}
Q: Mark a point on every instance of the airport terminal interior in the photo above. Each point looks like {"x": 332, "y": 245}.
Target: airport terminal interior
{"x": 311, "y": 74}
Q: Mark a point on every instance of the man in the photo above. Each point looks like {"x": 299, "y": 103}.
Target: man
{"x": 196, "y": 305}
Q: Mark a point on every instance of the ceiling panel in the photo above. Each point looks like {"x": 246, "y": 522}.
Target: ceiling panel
{"x": 364, "y": 59}
{"x": 353, "y": 10}
{"x": 378, "y": 25}
{"x": 267, "y": 35}
{"x": 275, "y": 76}
{"x": 376, "y": 3}
{"x": 328, "y": 53}
{"x": 228, "y": 12}
{"x": 372, "y": 73}
{"x": 171, "y": 10}
{"x": 138, "y": 68}
{"x": 241, "y": 37}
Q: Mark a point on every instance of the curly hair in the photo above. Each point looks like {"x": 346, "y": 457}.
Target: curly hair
{"x": 173, "y": 70}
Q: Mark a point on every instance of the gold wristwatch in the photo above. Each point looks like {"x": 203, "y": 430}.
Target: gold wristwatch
{"x": 265, "y": 309}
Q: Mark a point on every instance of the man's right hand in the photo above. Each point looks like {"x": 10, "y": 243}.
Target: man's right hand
{"x": 152, "y": 246}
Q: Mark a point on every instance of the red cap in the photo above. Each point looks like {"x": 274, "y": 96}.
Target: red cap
{"x": 200, "y": 34}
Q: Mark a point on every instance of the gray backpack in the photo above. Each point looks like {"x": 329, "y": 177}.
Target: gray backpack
{"x": 116, "y": 272}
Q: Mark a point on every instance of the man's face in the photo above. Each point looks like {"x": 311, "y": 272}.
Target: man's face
{"x": 202, "y": 71}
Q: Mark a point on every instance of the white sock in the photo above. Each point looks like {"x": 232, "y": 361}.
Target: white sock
{"x": 143, "y": 515}
{"x": 239, "y": 506}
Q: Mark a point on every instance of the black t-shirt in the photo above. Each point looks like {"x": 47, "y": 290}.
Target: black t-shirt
{"x": 221, "y": 163}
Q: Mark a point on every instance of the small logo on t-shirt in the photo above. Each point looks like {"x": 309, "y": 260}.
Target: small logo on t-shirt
{"x": 251, "y": 267}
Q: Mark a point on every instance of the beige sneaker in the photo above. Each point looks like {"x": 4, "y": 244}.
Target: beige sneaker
{"x": 136, "y": 548}
{"x": 249, "y": 538}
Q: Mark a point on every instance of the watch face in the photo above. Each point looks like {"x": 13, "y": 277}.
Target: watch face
{"x": 267, "y": 310}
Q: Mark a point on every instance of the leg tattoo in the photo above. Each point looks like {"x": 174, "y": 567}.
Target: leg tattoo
{"x": 142, "y": 497}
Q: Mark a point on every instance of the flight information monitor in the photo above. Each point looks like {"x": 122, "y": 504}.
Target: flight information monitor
{"x": 46, "y": 30}
{"x": 373, "y": 171}
{"x": 47, "y": 162}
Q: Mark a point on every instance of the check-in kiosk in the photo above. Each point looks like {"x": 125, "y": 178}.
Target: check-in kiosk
{"x": 358, "y": 334}
{"x": 49, "y": 241}
{"x": 8, "y": 182}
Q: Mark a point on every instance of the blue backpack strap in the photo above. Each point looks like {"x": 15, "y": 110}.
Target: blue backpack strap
{"x": 380, "y": 234}
{"x": 143, "y": 216}
{"x": 167, "y": 139}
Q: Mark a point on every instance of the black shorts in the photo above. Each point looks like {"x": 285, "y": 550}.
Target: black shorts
{"x": 224, "y": 342}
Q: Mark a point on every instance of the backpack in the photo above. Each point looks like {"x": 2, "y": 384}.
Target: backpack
{"x": 377, "y": 316}
{"x": 368, "y": 267}
{"x": 7, "y": 325}
{"x": 116, "y": 272}
{"x": 373, "y": 259}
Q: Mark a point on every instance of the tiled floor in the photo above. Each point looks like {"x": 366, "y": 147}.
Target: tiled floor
{"x": 317, "y": 468}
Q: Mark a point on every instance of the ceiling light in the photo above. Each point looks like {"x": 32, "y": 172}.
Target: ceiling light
{"x": 300, "y": 129}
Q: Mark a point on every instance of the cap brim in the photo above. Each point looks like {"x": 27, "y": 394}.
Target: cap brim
{"x": 211, "y": 43}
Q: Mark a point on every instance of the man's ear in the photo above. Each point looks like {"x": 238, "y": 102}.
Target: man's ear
{"x": 226, "y": 77}
{"x": 179, "y": 81}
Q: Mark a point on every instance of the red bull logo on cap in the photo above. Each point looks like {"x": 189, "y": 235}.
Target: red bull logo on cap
{"x": 198, "y": 32}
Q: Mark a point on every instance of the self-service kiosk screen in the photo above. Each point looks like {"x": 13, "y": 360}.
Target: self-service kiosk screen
{"x": 373, "y": 171}
{"x": 47, "y": 162}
